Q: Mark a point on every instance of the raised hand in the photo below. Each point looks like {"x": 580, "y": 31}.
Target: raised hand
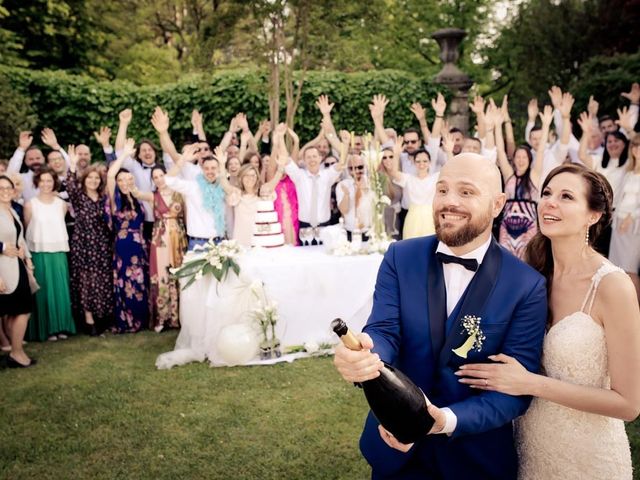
{"x": 566, "y": 104}
{"x": 24, "y": 140}
{"x": 220, "y": 155}
{"x": 592, "y": 107}
{"x": 345, "y": 137}
{"x": 189, "y": 153}
{"x": 380, "y": 102}
{"x": 125, "y": 116}
{"x": 160, "y": 120}
{"x": 447, "y": 142}
{"x": 439, "y": 105}
{"x": 546, "y": 116}
{"x": 323, "y": 105}
{"x": 585, "y": 120}
{"x": 419, "y": 112}
{"x": 398, "y": 146}
{"x": 532, "y": 110}
{"x": 241, "y": 122}
{"x": 264, "y": 128}
{"x": 73, "y": 157}
{"x": 129, "y": 148}
{"x": 555, "y": 94}
{"x": 504, "y": 108}
{"x": 48, "y": 137}
{"x": 477, "y": 106}
{"x": 103, "y": 136}
{"x": 280, "y": 130}
{"x": 633, "y": 95}
{"x": 196, "y": 119}
{"x": 624, "y": 119}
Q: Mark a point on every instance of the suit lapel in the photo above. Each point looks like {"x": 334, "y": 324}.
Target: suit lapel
{"x": 474, "y": 298}
{"x": 437, "y": 302}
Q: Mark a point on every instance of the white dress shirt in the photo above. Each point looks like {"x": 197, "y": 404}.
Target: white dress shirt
{"x": 363, "y": 213}
{"x": 456, "y": 280}
{"x": 303, "y": 180}
{"x": 199, "y": 220}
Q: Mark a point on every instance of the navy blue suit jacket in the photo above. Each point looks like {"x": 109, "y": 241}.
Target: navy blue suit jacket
{"x": 408, "y": 316}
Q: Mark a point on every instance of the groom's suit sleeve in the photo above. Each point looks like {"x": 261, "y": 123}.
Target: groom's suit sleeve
{"x": 383, "y": 325}
{"x": 523, "y": 341}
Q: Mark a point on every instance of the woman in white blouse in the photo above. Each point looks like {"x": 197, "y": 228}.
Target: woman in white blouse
{"x": 625, "y": 238}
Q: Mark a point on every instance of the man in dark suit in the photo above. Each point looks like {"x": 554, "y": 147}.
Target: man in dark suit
{"x": 429, "y": 293}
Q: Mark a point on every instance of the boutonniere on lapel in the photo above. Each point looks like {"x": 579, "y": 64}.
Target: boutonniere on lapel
{"x": 471, "y": 325}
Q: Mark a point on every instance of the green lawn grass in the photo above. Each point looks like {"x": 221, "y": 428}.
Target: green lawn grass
{"x": 97, "y": 408}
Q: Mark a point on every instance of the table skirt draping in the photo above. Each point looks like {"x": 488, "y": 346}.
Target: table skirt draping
{"x": 311, "y": 288}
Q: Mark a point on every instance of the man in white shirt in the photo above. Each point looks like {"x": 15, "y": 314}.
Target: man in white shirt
{"x": 204, "y": 200}
{"x": 354, "y": 197}
{"x": 432, "y": 294}
{"x": 33, "y": 159}
{"x": 313, "y": 186}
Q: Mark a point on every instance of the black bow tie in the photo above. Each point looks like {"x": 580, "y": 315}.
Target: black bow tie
{"x": 468, "y": 263}
{"x": 148, "y": 167}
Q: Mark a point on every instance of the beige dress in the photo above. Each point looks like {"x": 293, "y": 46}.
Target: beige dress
{"x": 556, "y": 442}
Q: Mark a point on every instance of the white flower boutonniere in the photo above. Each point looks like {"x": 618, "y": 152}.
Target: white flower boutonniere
{"x": 471, "y": 325}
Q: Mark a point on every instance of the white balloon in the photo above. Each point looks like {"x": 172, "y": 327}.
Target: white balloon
{"x": 237, "y": 343}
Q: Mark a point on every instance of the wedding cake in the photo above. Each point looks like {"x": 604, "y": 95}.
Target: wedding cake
{"x": 267, "y": 231}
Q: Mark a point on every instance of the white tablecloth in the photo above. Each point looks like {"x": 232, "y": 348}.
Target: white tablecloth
{"x": 311, "y": 288}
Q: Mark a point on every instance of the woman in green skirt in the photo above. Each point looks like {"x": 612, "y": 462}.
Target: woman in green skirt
{"x": 48, "y": 242}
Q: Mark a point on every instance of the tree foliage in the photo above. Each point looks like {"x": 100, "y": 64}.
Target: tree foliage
{"x": 75, "y": 106}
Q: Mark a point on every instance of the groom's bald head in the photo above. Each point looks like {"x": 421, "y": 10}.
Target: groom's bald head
{"x": 468, "y": 197}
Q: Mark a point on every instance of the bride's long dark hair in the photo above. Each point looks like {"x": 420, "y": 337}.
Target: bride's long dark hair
{"x": 599, "y": 199}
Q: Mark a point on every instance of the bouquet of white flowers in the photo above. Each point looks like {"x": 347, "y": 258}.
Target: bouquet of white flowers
{"x": 210, "y": 259}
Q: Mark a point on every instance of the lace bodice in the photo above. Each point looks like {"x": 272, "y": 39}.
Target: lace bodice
{"x": 556, "y": 442}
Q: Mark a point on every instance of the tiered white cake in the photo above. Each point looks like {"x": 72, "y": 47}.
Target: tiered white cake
{"x": 267, "y": 231}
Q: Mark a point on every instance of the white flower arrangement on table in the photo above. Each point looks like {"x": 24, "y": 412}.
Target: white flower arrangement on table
{"x": 379, "y": 240}
{"x": 210, "y": 259}
{"x": 266, "y": 316}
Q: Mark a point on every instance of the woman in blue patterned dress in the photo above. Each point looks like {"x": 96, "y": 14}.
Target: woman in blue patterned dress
{"x": 131, "y": 274}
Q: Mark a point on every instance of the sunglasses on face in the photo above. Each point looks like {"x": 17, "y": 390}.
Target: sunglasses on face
{"x": 357, "y": 167}
{"x": 387, "y": 158}
{"x": 412, "y": 142}
{"x": 328, "y": 164}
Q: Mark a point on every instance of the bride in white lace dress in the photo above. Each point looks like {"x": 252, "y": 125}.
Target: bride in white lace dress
{"x": 589, "y": 382}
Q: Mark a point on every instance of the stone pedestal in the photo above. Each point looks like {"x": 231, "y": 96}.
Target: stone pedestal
{"x": 452, "y": 77}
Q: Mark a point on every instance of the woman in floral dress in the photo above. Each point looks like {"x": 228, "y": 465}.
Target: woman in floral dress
{"x": 131, "y": 276}
{"x": 168, "y": 244}
{"x": 91, "y": 247}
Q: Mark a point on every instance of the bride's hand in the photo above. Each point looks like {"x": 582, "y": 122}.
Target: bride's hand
{"x": 506, "y": 375}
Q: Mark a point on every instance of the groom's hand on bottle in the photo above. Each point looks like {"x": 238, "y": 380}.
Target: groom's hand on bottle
{"x": 358, "y": 366}
{"x": 392, "y": 441}
{"x": 439, "y": 417}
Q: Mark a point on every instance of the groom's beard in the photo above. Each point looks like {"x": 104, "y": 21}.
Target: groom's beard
{"x": 465, "y": 234}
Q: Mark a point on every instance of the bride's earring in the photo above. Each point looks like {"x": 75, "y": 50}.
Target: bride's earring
{"x": 586, "y": 237}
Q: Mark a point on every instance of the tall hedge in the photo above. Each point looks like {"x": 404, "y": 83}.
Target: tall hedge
{"x": 75, "y": 106}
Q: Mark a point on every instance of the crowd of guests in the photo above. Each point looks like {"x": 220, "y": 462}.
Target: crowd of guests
{"x": 88, "y": 245}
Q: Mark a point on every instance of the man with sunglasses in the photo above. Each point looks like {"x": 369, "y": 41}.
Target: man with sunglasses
{"x": 354, "y": 197}
{"x": 412, "y": 143}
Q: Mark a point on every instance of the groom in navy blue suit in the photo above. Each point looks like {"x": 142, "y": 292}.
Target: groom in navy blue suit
{"x": 427, "y": 290}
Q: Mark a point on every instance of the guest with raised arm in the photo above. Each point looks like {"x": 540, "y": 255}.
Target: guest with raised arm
{"x": 521, "y": 185}
{"x": 245, "y": 198}
{"x": 286, "y": 202}
{"x": 131, "y": 270}
{"x": 625, "y": 237}
{"x": 419, "y": 189}
{"x": 168, "y": 245}
{"x": 140, "y": 164}
{"x": 48, "y": 241}
{"x": 33, "y": 159}
{"x": 355, "y": 198}
{"x": 91, "y": 247}
{"x": 103, "y": 137}
{"x": 204, "y": 199}
{"x": 313, "y": 186}
{"x": 15, "y": 292}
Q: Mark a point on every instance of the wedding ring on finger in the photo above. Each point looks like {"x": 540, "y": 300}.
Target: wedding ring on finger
{"x": 486, "y": 382}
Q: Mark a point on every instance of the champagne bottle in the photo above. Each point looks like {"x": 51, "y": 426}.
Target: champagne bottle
{"x": 399, "y": 404}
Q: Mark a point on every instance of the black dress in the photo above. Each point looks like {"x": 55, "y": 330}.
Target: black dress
{"x": 17, "y": 302}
